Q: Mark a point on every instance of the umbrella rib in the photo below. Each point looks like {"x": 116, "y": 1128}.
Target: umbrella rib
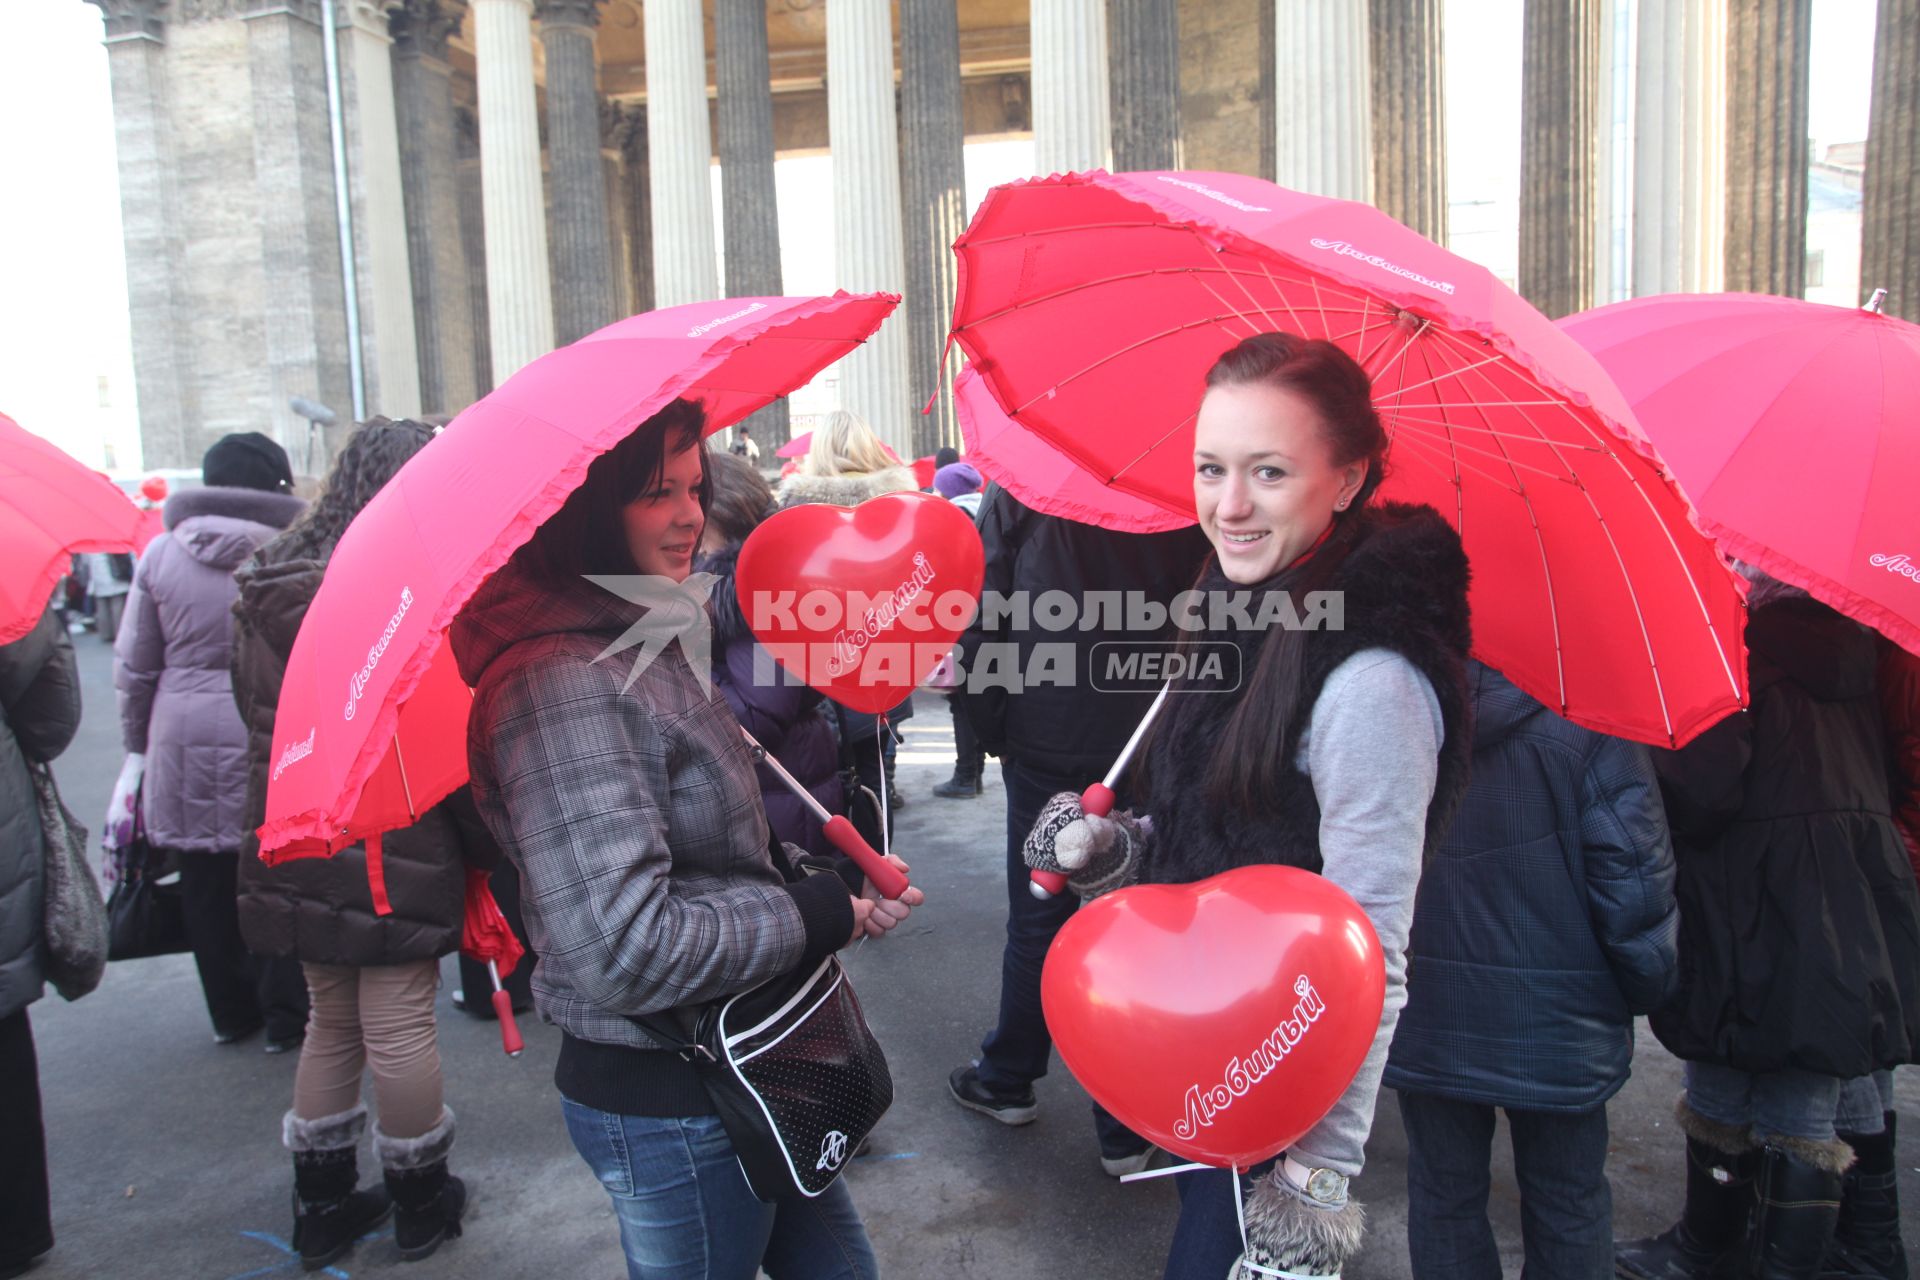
{"x": 1427, "y": 433}
{"x": 1207, "y": 254}
{"x": 1611, "y": 449}
{"x": 1111, "y": 356}
{"x": 1438, "y": 447}
{"x": 406, "y": 788}
{"x": 1494, "y": 432}
{"x": 1084, "y": 285}
{"x": 1495, "y": 358}
{"x": 1298, "y": 326}
{"x": 1137, "y": 458}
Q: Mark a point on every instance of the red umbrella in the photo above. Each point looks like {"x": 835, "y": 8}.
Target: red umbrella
{"x": 486, "y": 936}
{"x": 371, "y": 643}
{"x": 796, "y": 447}
{"x": 1093, "y": 305}
{"x": 1041, "y": 476}
{"x": 1792, "y": 426}
{"x": 50, "y": 508}
{"x": 923, "y": 469}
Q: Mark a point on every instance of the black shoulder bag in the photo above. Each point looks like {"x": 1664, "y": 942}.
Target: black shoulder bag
{"x": 794, "y": 1072}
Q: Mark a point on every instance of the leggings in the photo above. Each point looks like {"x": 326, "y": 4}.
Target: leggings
{"x": 378, "y": 1016}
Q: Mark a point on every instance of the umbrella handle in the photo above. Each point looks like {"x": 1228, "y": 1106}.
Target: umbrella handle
{"x": 503, "y": 1010}
{"x": 885, "y": 876}
{"x": 1047, "y": 885}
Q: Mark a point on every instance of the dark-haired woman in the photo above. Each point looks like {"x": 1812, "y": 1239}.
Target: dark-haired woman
{"x": 371, "y": 978}
{"x": 1341, "y": 751}
{"x": 782, "y": 714}
{"x": 622, "y": 790}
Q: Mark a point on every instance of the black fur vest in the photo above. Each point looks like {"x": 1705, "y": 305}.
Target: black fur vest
{"x": 1404, "y": 576}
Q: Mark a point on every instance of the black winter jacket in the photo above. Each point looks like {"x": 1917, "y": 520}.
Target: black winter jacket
{"x": 1546, "y": 919}
{"x": 320, "y": 910}
{"x": 1799, "y": 921}
{"x": 39, "y": 714}
{"x": 1064, "y": 730}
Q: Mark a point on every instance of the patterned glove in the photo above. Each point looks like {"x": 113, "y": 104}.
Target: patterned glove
{"x": 1096, "y": 854}
{"x": 1290, "y": 1234}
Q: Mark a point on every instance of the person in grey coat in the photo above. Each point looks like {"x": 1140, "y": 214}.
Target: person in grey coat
{"x": 39, "y": 712}
{"x": 1544, "y": 922}
{"x": 186, "y": 747}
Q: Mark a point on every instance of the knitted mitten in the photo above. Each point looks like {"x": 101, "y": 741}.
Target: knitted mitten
{"x": 1286, "y": 1232}
{"x": 1095, "y": 853}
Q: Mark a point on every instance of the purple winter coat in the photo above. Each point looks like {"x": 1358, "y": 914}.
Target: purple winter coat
{"x": 172, "y": 664}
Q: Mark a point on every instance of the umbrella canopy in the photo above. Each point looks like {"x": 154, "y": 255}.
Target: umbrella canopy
{"x": 1041, "y": 476}
{"x": 796, "y": 447}
{"x": 461, "y": 506}
{"x": 50, "y": 508}
{"x": 484, "y": 932}
{"x": 1793, "y": 427}
{"x": 1093, "y": 305}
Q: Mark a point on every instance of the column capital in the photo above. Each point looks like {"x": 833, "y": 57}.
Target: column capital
{"x": 134, "y": 19}
{"x": 568, "y": 13}
{"x": 305, "y": 10}
{"x": 623, "y": 125}
{"x": 421, "y": 28}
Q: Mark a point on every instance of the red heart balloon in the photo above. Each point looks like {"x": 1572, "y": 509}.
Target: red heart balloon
{"x": 862, "y": 602}
{"x": 1221, "y": 1019}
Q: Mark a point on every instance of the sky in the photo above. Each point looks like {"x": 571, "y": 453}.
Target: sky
{"x": 65, "y": 352}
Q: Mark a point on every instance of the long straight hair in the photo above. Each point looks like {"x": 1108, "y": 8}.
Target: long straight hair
{"x": 1257, "y": 732}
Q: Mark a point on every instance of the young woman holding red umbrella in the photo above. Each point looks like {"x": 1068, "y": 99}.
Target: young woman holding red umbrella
{"x": 1342, "y": 752}
{"x": 627, "y": 799}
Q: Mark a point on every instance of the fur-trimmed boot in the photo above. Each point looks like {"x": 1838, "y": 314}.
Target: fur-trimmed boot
{"x": 1797, "y": 1205}
{"x": 1866, "y": 1240}
{"x": 427, "y": 1199}
{"x": 328, "y": 1214}
{"x": 1285, "y": 1233}
{"x": 1709, "y": 1241}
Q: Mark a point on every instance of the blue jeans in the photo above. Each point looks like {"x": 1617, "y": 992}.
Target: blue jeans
{"x": 1778, "y": 1104}
{"x": 1864, "y": 1103}
{"x": 1559, "y": 1160}
{"x": 686, "y": 1212}
{"x": 1015, "y": 1053}
{"x": 1206, "y": 1238}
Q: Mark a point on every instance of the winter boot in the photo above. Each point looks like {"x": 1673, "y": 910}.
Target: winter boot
{"x": 1866, "y": 1241}
{"x": 1796, "y": 1206}
{"x": 1709, "y": 1240}
{"x": 328, "y": 1214}
{"x": 427, "y": 1199}
{"x": 965, "y": 783}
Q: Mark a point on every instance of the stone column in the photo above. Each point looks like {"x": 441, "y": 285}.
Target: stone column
{"x": 383, "y": 277}
{"x": 868, "y": 252}
{"x": 613, "y": 168}
{"x": 1679, "y": 147}
{"x": 305, "y": 322}
{"x": 473, "y": 244}
{"x": 1890, "y": 245}
{"x": 430, "y": 181}
{"x": 1768, "y": 47}
{"x": 627, "y": 133}
{"x": 1410, "y": 113}
{"x": 1070, "y": 114}
{"x": 680, "y": 150}
{"x": 931, "y": 128}
{"x": 137, "y": 65}
{"x": 1323, "y": 136}
{"x": 519, "y": 283}
{"x": 582, "y": 244}
{"x": 749, "y": 210}
{"x": 1143, "y": 63}
{"x": 1560, "y": 81}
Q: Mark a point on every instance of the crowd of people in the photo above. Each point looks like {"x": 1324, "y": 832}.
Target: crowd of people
{"x": 1534, "y": 885}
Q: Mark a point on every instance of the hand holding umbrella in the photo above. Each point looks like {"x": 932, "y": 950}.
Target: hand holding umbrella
{"x": 486, "y": 936}
{"x": 1097, "y": 800}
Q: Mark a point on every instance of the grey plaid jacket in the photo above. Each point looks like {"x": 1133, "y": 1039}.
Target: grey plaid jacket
{"x": 634, "y": 817}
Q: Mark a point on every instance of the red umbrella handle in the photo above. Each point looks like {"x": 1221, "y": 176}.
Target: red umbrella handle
{"x": 1096, "y": 800}
{"x": 885, "y": 876}
{"x": 503, "y": 1009}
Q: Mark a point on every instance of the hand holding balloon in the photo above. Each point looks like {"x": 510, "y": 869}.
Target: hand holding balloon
{"x": 1086, "y": 850}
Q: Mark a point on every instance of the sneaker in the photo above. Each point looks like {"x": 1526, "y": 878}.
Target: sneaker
{"x": 1007, "y": 1108}
{"x": 1132, "y": 1162}
{"x": 285, "y": 1044}
{"x": 235, "y": 1035}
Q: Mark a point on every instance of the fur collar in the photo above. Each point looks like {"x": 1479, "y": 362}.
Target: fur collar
{"x": 844, "y": 491}
{"x": 275, "y": 510}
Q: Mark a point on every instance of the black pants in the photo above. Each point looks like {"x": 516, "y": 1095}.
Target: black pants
{"x": 26, "y": 1223}
{"x": 969, "y": 761}
{"x": 242, "y": 990}
{"x": 476, "y": 985}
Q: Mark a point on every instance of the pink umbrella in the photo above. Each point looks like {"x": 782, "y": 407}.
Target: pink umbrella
{"x": 1093, "y": 305}
{"x": 1042, "y": 477}
{"x": 796, "y": 447}
{"x": 50, "y": 507}
{"x": 1792, "y": 426}
{"x": 460, "y": 507}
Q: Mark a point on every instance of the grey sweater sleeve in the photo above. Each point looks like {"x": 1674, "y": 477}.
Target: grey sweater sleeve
{"x": 1372, "y": 749}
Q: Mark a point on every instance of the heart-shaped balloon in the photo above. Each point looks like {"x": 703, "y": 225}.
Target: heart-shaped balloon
{"x": 1222, "y": 1019}
{"x": 862, "y": 602}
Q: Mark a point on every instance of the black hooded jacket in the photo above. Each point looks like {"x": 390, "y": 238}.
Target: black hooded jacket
{"x": 1799, "y": 922}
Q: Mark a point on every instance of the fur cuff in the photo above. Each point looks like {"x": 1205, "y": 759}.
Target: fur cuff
{"x": 1834, "y": 1157}
{"x": 1288, "y": 1234}
{"x": 1730, "y": 1139}
{"x": 401, "y": 1154}
{"x": 328, "y": 1133}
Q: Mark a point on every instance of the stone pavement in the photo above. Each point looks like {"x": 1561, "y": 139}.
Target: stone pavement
{"x": 166, "y": 1158}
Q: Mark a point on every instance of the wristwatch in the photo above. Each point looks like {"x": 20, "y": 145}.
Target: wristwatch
{"x": 1322, "y": 1186}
